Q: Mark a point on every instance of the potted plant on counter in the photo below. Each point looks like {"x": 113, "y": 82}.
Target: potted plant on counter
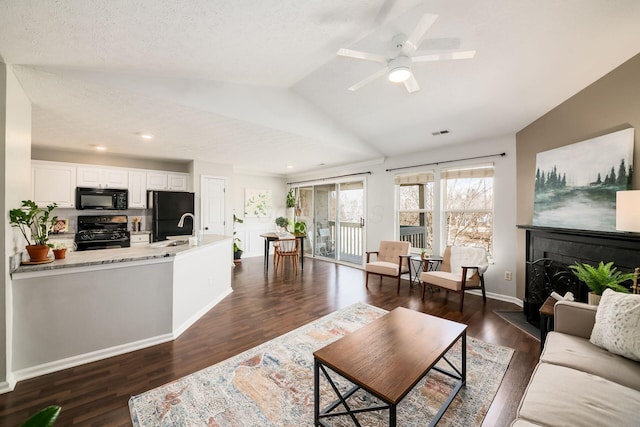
{"x": 39, "y": 222}
{"x": 600, "y": 278}
{"x": 60, "y": 251}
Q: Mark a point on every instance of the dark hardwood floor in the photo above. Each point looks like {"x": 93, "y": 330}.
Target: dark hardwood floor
{"x": 260, "y": 308}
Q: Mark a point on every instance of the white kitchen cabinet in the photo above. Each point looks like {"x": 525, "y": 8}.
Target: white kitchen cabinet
{"x": 167, "y": 181}
{"x": 157, "y": 180}
{"x": 177, "y": 182}
{"x": 137, "y": 189}
{"x": 102, "y": 177}
{"x": 53, "y": 183}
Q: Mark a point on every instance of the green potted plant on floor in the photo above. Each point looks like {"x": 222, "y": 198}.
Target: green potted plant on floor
{"x": 39, "y": 222}
{"x": 237, "y": 252}
{"x": 44, "y": 418}
{"x": 600, "y": 278}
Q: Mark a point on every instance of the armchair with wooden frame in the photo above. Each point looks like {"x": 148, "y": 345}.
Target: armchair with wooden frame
{"x": 391, "y": 261}
{"x": 462, "y": 269}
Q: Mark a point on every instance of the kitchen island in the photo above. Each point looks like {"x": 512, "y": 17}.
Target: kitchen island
{"x": 100, "y": 303}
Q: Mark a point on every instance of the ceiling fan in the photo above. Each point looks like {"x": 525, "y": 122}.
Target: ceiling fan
{"x": 398, "y": 68}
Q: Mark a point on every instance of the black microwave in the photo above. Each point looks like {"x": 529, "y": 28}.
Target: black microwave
{"x": 101, "y": 198}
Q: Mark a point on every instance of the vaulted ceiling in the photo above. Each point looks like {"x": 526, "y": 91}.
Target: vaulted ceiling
{"x": 258, "y": 84}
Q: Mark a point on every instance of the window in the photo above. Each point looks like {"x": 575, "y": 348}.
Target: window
{"x": 415, "y": 209}
{"x": 468, "y": 206}
{"x": 459, "y": 203}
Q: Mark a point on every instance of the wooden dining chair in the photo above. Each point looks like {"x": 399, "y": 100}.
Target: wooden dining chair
{"x": 287, "y": 248}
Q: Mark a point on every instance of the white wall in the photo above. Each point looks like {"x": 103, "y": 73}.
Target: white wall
{"x": 380, "y": 204}
{"x": 15, "y": 144}
{"x": 249, "y": 231}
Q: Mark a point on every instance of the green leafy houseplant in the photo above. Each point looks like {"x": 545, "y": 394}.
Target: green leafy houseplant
{"x": 37, "y": 220}
{"x": 44, "y": 418}
{"x": 291, "y": 199}
{"x": 237, "y": 252}
{"x": 282, "y": 222}
{"x": 601, "y": 277}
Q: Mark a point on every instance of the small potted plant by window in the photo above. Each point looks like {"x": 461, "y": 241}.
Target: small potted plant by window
{"x": 600, "y": 278}
{"x": 39, "y": 222}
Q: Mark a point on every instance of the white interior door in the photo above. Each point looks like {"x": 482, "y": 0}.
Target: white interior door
{"x": 212, "y": 199}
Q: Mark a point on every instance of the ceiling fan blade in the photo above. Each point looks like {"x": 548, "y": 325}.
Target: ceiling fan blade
{"x": 411, "y": 84}
{"x": 465, "y": 54}
{"x": 418, "y": 33}
{"x": 362, "y": 55}
{"x": 366, "y": 81}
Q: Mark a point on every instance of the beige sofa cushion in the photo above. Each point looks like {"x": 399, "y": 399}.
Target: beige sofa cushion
{"x": 523, "y": 423}
{"x": 578, "y": 353}
{"x": 559, "y": 396}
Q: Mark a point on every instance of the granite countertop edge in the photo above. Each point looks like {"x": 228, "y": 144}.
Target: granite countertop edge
{"x": 119, "y": 255}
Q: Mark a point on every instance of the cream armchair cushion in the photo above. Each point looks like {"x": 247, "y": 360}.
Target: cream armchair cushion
{"x": 389, "y": 260}
{"x": 462, "y": 268}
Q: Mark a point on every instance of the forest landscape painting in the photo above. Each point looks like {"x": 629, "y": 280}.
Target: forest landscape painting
{"x": 575, "y": 185}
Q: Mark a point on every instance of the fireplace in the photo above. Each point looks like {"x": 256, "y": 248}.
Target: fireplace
{"x": 550, "y": 251}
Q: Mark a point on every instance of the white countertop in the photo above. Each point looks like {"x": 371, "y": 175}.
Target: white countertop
{"x": 117, "y": 255}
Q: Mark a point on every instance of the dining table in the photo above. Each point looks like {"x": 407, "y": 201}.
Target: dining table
{"x": 271, "y": 237}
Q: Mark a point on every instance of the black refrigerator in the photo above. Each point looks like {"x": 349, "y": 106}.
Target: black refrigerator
{"x": 167, "y": 207}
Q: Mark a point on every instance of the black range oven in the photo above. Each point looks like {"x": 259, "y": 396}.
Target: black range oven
{"x": 102, "y": 232}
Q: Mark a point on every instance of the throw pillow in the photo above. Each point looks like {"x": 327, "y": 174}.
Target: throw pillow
{"x": 617, "y": 327}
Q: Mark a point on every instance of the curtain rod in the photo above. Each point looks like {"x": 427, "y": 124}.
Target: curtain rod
{"x": 330, "y": 177}
{"x": 447, "y": 161}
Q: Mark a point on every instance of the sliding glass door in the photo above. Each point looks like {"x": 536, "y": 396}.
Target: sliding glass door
{"x": 339, "y": 221}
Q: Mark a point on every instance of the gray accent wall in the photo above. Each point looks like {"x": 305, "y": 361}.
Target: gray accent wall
{"x": 610, "y": 104}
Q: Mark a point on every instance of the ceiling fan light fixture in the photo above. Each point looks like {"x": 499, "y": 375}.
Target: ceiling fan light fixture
{"x": 399, "y": 74}
{"x": 399, "y": 69}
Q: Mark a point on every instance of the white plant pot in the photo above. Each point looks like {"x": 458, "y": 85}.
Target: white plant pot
{"x": 593, "y": 299}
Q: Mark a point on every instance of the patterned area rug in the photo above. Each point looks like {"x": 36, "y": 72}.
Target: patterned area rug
{"x": 272, "y": 384}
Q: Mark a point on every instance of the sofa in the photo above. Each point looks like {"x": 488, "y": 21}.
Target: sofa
{"x": 578, "y": 383}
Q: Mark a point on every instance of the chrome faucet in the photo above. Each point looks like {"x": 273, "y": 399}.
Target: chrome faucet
{"x": 181, "y": 222}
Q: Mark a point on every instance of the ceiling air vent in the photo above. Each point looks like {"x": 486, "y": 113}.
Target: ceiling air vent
{"x": 440, "y": 132}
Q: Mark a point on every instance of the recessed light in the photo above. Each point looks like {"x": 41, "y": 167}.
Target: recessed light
{"x": 146, "y": 136}
{"x": 100, "y": 147}
{"x": 289, "y": 166}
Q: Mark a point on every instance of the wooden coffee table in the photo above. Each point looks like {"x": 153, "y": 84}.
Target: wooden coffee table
{"x": 387, "y": 358}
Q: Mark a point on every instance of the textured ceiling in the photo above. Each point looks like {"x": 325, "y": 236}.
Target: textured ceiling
{"x": 257, "y": 84}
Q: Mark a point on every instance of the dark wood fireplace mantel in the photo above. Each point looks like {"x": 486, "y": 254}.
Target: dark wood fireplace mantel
{"x": 549, "y": 252}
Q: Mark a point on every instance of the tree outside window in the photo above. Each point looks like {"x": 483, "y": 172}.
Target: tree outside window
{"x": 468, "y": 207}
{"x": 465, "y": 214}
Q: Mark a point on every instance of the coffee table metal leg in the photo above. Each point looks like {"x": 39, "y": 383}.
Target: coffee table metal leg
{"x": 392, "y": 415}
{"x": 316, "y": 393}
{"x": 464, "y": 358}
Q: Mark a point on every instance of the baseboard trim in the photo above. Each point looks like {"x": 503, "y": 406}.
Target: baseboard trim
{"x": 81, "y": 359}
{"x": 499, "y": 297}
{"x": 8, "y": 385}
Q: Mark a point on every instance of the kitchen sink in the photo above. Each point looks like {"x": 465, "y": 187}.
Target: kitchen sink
{"x": 168, "y": 243}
